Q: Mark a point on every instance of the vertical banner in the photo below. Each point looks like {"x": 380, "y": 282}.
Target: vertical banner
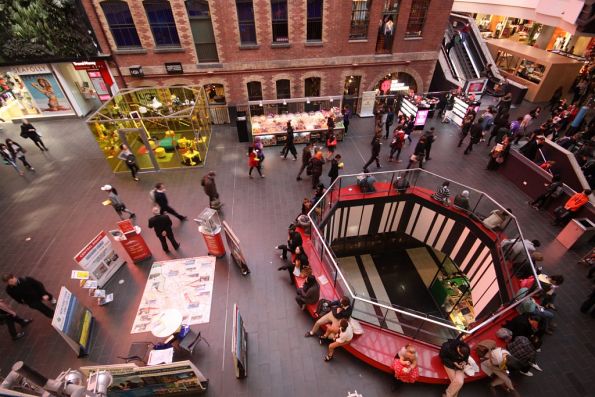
{"x": 46, "y": 93}
{"x": 73, "y": 321}
{"x": 99, "y": 259}
{"x": 239, "y": 346}
{"x": 368, "y": 101}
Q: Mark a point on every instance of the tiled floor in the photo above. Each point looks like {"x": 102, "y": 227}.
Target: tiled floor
{"x": 59, "y": 209}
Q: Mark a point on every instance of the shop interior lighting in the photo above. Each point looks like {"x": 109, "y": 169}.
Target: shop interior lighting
{"x": 307, "y": 100}
{"x": 260, "y": 104}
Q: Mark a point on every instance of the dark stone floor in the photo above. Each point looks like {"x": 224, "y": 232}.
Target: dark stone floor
{"x": 59, "y": 209}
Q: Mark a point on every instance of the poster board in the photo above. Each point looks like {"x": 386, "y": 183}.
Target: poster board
{"x": 73, "y": 321}
{"x": 185, "y": 285}
{"x": 234, "y": 247}
{"x": 100, "y": 259}
{"x": 368, "y": 102}
{"x": 179, "y": 379}
{"x": 239, "y": 346}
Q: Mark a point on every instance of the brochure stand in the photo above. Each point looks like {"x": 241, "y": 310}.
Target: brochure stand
{"x": 99, "y": 259}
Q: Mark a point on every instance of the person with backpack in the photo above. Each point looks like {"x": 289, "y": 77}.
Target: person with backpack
{"x": 254, "y": 162}
{"x": 210, "y": 188}
{"x": 306, "y": 156}
{"x": 396, "y": 144}
{"x": 130, "y": 159}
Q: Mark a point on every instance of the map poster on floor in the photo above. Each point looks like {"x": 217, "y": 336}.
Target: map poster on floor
{"x": 185, "y": 285}
{"x": 73, "y": 321}
{"x": 99, "y": 259}
{"x": 178, "y": 379}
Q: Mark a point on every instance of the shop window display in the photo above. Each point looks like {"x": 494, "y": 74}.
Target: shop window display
{"x": 15, "y": 99}
{"x": 164, "y": 127}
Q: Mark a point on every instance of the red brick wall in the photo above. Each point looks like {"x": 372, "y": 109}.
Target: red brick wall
{"x": 336, "y": 58}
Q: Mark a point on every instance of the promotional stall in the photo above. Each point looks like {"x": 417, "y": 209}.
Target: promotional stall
{"x": 165, "y": 127}
{"x": 308, "y": 116}
{"x": 419, "y": 107}
{"x": 461, "y": 108}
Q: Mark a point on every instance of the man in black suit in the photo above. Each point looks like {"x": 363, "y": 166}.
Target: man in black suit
{"x": 30, "y": 292}
{"x": 10, "y": 317}
{"x": 163, "y": 203}
{"x": 162, "y": 225}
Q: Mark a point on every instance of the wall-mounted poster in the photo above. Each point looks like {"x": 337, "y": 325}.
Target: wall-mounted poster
{"x": 46, "y": 93}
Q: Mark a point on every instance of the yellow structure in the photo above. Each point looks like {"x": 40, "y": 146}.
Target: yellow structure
{"x": 164, "y": 127}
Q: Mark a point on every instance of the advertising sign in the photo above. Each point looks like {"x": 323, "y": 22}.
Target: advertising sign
{"x": 174, "y": 68}
{"x": 421, "y": 117}
{"x": 73, "y": 321}
{"x": 234, "y": 246}
{"x": 46, "y": 93}
{"x": 178, "y": 379}
{"x": 99, "y": 259}
{"x": 368, "y": 102}
{"x": 239, "y": 349}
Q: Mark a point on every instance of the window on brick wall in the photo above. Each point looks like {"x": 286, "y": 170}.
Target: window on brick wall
{"x": 279, "y": 19}
{"x": 283, "y": 89}
{"x": 162, "y": 23}
{"x": 417, "y": 18}
{"x": 202, "y": 30}
{"x": 121, "y": 24}
{"x": 360, "y": 19}
{"x": 254, "y": 91}
{"x": 312, "y": 86}
{"x": 246, "y": 21}
{"x": 314, "y": 23}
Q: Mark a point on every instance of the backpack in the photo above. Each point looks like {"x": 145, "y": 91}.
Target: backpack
{"x": 323, "y": 307}
{"x": 131, "y": 159}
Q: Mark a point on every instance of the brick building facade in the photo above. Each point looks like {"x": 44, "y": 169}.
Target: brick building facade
{"x": 350, "y": 44}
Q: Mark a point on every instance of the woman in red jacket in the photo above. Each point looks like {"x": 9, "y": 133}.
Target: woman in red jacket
{"x": 254, "y": 162}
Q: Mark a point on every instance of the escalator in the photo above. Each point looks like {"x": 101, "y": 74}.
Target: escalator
{"x": 465, "y": 59}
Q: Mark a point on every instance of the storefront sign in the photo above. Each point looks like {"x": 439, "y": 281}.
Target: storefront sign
{"x": 99, "y": 85}
{"x": 174, "y": 68}
{"x": 86, "y": 65}
{"x": 367, "y": 106}
{"x": 28, "y": 69}
{"x": 99, "y": 259}
{"x": 396, "y": 85}
{"x": 136, "y": 71}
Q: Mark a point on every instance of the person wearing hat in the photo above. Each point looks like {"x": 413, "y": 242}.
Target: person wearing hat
{"x": 116, "y": 202}
{"x": 462, "y": 200}
{"x": 162, "y": 225}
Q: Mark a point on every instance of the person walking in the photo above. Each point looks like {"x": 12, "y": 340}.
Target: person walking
{"x": 396, "y": 144}
{"x": 346, "y": 115}
{"x": 210, "y": 188}
{"x": 532, "y": 147}
{"x": 28, "y": 131}
{"x": 18, "y": 152}
{"x": 524, "y": 126}
{"x": 336, "y": 164}
{"x": 316, "y": 165}
{"x": 116, "y": 202}
{"x": 498, "y": 154}
{"x": 466, "y": 126}
{"x": 289, "y": 146}
{"x": 306, "y": 156}
{"x": 418, "y": 154}
{"x": 9, "y": 159}
{"x": 10, "y": 317}
{"x": 476, "y": 133}
{"x": 374, "y": 155}
{"x": 254, "y": 162}
{"x": 331, "y": 144}
{"x": 130, "y": 159}
{"x": 163, "y": 203}
{"x": 430, "y": 138}
{"x": 161, "y": 223}
{"x": 31, "y": 292}
{"x": 500, "y": 128}
{"x": 390, "y": 118}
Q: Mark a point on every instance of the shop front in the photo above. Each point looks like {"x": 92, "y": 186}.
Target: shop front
{"x": 50, "y": 90}
{"x": 164, "y": 127}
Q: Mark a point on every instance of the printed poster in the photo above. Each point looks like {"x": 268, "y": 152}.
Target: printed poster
{"x": 182, "y": 284}
{"x": 46, "y": 93}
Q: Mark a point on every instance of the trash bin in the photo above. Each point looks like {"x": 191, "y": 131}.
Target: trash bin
{"x": 242, "y": 127}
{"x": 209, "y": 225}
{"x": 577, "y": 231}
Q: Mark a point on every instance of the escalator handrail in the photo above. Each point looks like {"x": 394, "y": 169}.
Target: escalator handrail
{"x": 467, "y": 74}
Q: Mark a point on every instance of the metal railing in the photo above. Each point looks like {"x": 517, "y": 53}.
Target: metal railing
{"x": 414, "y": 324}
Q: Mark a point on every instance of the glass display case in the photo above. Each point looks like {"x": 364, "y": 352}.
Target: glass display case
{"x": 419, "y": 107}
{"x": 308, "y": 116}
{"x": 164, "y": 127}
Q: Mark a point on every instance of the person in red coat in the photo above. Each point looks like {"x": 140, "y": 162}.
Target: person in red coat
{"x": 254, "y": 162}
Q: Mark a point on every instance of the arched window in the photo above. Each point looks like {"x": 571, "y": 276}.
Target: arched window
{"x": 312, "y": 86}
{"x": 120, "y": 24}
{"x": 408, "y": 80}
{"x": 254, "y": 91}
{"x": 162, "y": 23}
{"x": 283, "y": 89}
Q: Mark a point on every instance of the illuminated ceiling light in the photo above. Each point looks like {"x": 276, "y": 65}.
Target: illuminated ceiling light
{"x": 307, "y": 100}
{"x": 260, "y": 104}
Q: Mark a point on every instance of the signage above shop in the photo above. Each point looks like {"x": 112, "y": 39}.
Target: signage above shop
{"x": 173, "y": 68}
{"x": 87, "y": 65}
{"x": 136, "y": 71}
{"x": 28, "y": 69}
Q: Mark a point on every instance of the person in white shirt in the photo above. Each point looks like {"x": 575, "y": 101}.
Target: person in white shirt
{"x": 345, "y": 334}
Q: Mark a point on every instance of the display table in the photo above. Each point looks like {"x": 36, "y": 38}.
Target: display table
{"x": 461, "y": 108}
{"x": 418, "y": 109}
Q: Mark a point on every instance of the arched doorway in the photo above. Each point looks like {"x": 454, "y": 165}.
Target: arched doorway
{"x": 397, "y": 81}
